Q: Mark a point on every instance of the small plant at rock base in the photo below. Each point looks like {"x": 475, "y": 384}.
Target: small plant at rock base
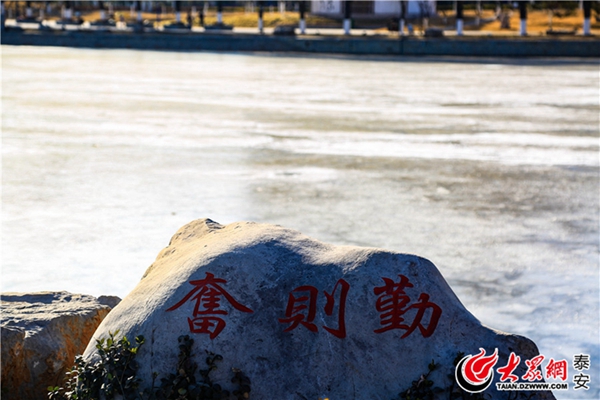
{"x": 183, "y": 385}
{"x": 113, "y": 374}
{"x": 243, "y": 382}
{"x": 422, "y": 388}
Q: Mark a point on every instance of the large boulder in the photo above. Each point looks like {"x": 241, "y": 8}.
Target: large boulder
{"x": 41, "y": 335}
{"x": 302, "y": 319}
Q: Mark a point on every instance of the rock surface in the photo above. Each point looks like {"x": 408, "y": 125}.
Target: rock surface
{"x": 110, "y": 301}
{"x": 41, "y": 335}
{"x": 301, "y": 318}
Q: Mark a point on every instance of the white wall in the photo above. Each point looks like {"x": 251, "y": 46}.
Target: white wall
{"x": 382, "y": 7}
{"x": 326, "y": 6}
{"x": 387, "y": 7}
{"x": 393, "y": 7}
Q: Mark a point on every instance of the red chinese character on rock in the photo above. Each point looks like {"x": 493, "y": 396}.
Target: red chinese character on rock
{"x": 340, "y": 332}
{"x": 557, "y": 369}
{"x": 533, "y": 373}
{"x": 302, "y": 308}
{"x": 207, "y": 294}
{"x": 508, "y": 369}
{"x": 393, "y": 303}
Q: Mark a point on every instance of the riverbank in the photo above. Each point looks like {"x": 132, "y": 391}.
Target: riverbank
{"x": 406, "y": 46}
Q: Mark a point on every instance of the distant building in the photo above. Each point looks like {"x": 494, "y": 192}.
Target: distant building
{"x": 373, "y": 8}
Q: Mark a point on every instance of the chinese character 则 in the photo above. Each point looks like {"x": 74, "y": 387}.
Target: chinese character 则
{"x": 302, "y": 308}
{"x": 207, "y": 293}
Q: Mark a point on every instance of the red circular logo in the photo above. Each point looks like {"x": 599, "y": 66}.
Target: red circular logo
{"x": 474, "y": 373}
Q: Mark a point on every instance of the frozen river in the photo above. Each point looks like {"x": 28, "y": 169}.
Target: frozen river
{"x": 489, "y": 169}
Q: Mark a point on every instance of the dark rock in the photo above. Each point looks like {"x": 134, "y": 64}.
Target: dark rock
{"x": 110, "y": 301}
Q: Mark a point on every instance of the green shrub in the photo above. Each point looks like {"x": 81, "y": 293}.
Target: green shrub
{"x": 114, "y": 375}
